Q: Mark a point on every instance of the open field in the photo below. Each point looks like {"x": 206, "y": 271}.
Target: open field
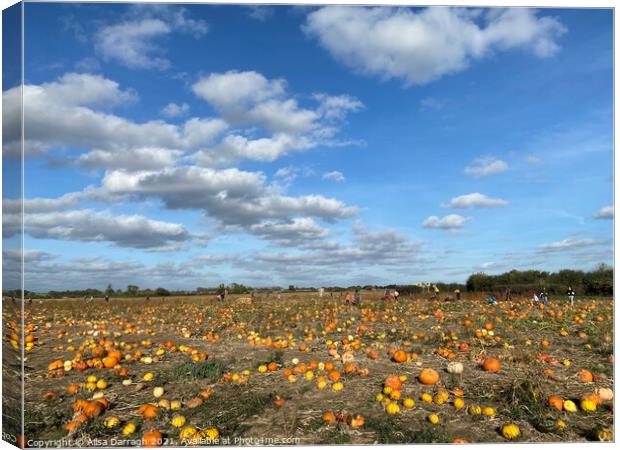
{"x": 214, "y": 359}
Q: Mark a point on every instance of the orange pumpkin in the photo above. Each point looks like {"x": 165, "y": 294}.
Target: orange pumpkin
{"x": 148, "y": 411}
{"x": 555, "y": 402}
{"x": 58, "y": 364}
{"x": 357, "y": 421}
{"x": 152, "y": 439}
{"x": 350, "y": 368}
{"x": 300, "y": 369}
{"x": 79, "y": 405}
{"x": 98, "y": 352}
{"x": 194, "y": 402}
{"x": 93, "y": 409}
{"x": 114, "y": 353}
{"x": 110, "y": 361}
{"x": 50, "y": 395}
{"x": 206, "y": 393}
{"x": 393, "y": 382}
{"x": 428, "y": 376}
{"x": 334, "y": 375}
{"x": 491, "y": 365}
{"x": 329, "y": 417}
{"x": 592, "y": 396}
{"x": 399, "y": 356}
{"x": 71, "y": 426}
{"x": 585, "y": 376}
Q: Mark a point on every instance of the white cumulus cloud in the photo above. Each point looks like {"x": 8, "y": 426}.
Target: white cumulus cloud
{"x": 421, "y": 46}
{"x": 475, "y": 200}
{"x": 449, "y": 222}
{"x": 606, "y": 212}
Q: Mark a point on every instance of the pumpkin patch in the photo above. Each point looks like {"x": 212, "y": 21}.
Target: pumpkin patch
{"x": 178, "y": 372}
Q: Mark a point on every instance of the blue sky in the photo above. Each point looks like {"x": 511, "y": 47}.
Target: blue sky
{"x": 184, "y": 146}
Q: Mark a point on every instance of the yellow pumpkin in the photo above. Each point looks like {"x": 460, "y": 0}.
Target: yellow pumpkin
{"x": 187, "y": 432}
{"x": 338, "y": 386}
{"x": 570, "y": 406}
{"x": 588, "y": 405}
{"x": 129, "y": 428}
{"x": 488, "y": 411}
{"x": 178, "y": 421}
{"x": 111, "y": 422}
{"x": 426, "y": 397}
{"x": 392, "y": 408}
{"x": 511, "y": 431}
{"x": 474, "y": 410}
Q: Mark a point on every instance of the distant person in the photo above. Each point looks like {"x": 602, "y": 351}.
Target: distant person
{"x": 508, "y": 294}
{"x": 148, "y": 299}
{"x": 435, "y": 293}
{"x": 457, "y": 294}
{"x": 535, "y": 299}
{"x": 544, "y": 297}
{"x": 357, "y": 298}
{"x": 347, "y": 297}
{"x": 492, "y": 300}
{"x": 396, "y": 294}
{"x": 225, "y": 293}
{"x": 107, "y": 298}
{"x": 386, "y": 294}
{"x": 571, "y": 295}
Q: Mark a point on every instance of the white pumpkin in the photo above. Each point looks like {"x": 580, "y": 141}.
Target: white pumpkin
{"x": 605, "y": 394}
{"x": 158, "y": 392}
{"x": 455, "y": 367}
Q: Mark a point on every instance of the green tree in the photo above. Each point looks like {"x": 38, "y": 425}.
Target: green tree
{"x": 132, "y": 290}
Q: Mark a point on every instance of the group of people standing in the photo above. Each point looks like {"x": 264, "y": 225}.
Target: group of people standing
{"x": 543, "y": 297}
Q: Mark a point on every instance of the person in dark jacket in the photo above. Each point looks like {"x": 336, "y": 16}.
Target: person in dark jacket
{"x": 571, "y": 295}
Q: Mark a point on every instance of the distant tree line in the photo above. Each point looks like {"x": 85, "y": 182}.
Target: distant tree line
{"x": 597, "y": 282}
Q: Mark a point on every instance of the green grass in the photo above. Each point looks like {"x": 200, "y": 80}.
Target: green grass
{"x": 205, "y": 370}
{"x": 391, "y": 431}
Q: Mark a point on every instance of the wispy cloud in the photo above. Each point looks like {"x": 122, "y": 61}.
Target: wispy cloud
{"x": 334, "y": 176}
{"x": 485, "y": 166}
{"x": 567, "y": 244}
